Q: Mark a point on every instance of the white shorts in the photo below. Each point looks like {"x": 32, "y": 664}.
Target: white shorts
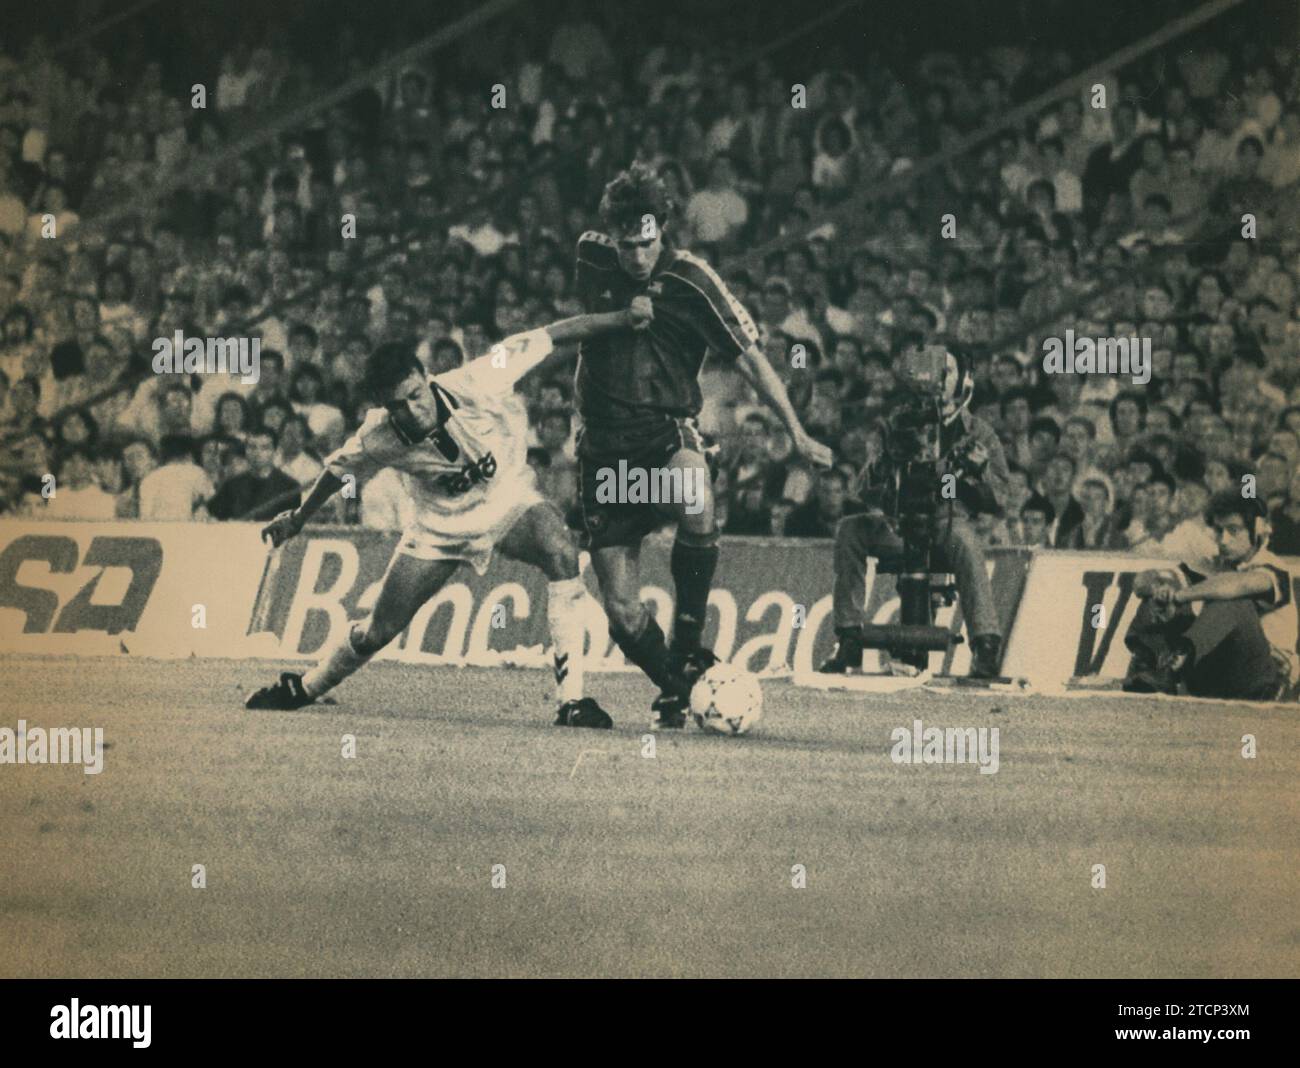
{"x": 473, "y": 542}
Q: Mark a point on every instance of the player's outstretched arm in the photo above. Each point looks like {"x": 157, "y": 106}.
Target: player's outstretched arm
{"x": 754, "y": 366}
{"x": 287, "y": 524}
{"x": 1227, "y": 586}
{"x": 521, "y": 354}
{"x": 581, "y": 327}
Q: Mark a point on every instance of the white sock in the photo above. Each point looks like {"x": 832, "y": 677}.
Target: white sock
{"x": 336, "y": 665}
{"x": 568, "y": 634}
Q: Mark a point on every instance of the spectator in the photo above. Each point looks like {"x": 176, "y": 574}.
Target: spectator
{"x": 716, "y": 213}
{"x": 1075, "y": 215}
{"x": 1057, "y": 486}
{"x": 23, "y": 416}
{"x": 751, "y": 464}
{"x": 1044, "y": 439}
{"x": 748, "y": 511}
{"x": 232, "y": 417}
{"x": 261, "y": 492}
{"x": 818, "y": 517}
{"x": 1096, "y": 529}
{"x": 324, "y": 420}
{"x": 293, "y": 458}
{"x": 78, "y": 495}
{"x": 1285, "y": 518}
{"x": 1036, "y": 518}
{"x": 1153, "y": 514}
{"x": 110, "y": 471}
{"x": 178, "y": 489}
{"x": 779, "y": 516}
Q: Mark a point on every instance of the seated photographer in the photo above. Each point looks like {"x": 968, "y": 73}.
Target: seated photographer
{"x": 1241, "y": 645}
{"x": 969, "y": 450}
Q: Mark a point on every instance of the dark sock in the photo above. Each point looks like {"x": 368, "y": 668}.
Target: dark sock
{"x": 694, "y": 560}
{"x": 648, "y": 651}
{"x": 849, "y": 645}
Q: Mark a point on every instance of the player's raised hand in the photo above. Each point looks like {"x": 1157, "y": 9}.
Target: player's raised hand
{"x": 1155, "y": 582}
{"x": 1157, "y": 587}
{"x": 641, "y": 311}
{"x": 282, "y": 528}
{"x": 813, "y": 451}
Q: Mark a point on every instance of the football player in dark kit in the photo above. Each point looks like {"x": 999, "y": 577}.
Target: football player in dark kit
{"x": 638, "y": 394}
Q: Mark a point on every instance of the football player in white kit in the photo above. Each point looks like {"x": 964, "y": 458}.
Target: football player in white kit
{"x": 460, "y": 439}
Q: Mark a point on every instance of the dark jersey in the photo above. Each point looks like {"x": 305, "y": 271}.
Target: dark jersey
{"x": 629, "y": 378}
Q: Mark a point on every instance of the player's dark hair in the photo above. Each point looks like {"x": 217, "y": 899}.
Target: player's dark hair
{"x": 387, "y": 367}
{"x": 1230, "y": 502}
{"x": 632, "y": 195}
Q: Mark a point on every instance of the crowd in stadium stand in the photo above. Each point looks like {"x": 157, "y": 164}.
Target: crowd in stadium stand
{"x": 1119, "y": 221}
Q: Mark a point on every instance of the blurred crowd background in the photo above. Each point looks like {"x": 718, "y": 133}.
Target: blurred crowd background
{"x": 1117, "y": 221}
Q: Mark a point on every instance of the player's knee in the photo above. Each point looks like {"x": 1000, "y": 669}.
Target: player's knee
{"x": 1237, "y": 612}
{"x": 696, "y": 511}
{"x": 624, "y": 613}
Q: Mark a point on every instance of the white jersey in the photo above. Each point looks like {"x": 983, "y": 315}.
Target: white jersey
{"x": 1277, "y": 613}
{"x": 470, "y": 476}
{"x": 1276, "y": 606}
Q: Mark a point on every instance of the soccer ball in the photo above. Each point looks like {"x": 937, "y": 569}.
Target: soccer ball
{"x": 726, "y": 700}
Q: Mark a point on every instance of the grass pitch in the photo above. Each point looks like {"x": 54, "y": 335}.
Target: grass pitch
{"x": 620, "y": 864}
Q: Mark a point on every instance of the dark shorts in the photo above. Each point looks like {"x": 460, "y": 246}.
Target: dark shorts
{"x": 608, "y": 523}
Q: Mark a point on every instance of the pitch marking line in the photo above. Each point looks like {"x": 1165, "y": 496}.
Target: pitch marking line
{"x": 583, "y": 753}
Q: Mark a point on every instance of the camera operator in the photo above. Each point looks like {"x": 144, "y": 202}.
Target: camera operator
{"x": 1242, "y": 643}
{"x": 929, "y": 435}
